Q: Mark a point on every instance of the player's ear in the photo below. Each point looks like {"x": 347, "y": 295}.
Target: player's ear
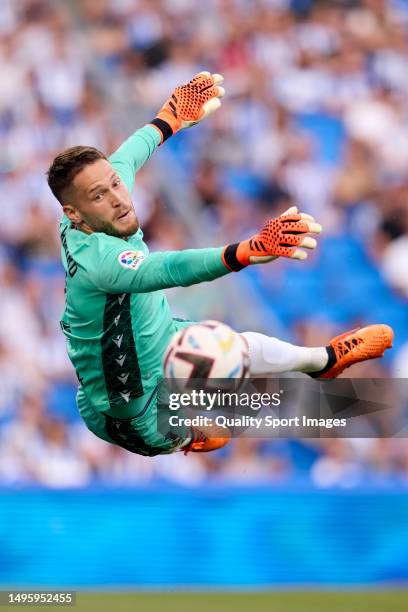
{"x": 72, "y": 213}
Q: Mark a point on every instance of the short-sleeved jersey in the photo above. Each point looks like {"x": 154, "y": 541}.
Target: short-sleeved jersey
{"x": 117, "y": 320}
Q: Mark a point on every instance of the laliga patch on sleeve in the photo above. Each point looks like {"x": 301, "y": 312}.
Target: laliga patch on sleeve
{"x": 131, "y": 259}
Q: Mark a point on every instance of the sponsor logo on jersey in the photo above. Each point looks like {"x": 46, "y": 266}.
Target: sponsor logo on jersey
{"x": 131, "y": 259}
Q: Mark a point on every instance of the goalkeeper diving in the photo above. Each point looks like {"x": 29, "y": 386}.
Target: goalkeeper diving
{"x": 117, "y": 320}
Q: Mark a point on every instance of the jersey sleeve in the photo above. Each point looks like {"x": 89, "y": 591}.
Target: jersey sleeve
{"x": 134, "y": 152}
{"x": 117, "y": 267}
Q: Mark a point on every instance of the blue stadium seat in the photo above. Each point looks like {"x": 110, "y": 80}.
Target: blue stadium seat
{"x": 60, "y": 401}
{"x": 328, "y": 131}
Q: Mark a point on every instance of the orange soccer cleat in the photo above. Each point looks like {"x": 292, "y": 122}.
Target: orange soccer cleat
{"x": 207, "y": 438}
{"x": 356, "y": 345}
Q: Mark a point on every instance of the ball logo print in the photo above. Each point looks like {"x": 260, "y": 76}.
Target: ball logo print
{"x": 207, "y": 350}
{"x": 131, "y": 259}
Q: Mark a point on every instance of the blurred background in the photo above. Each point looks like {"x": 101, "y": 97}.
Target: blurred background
{"x": 316, "y": 113}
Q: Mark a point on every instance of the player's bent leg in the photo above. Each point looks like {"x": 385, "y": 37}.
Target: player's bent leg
{"x": 145, "y": 435}
{"x": 140, "y": 436}
{"x": 271, "y": 356}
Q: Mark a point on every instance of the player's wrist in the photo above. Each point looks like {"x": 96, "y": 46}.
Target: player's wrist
{"x": 233, "y": 257}
{"x": 165, "y": 124}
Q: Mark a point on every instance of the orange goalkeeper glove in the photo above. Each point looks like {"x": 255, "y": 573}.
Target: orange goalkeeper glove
{"x": 279, "y": 237}
{"x": 189, "y": 104}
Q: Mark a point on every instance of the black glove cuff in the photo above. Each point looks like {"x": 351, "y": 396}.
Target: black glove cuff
{"x": 164, "y": 128}
{"x": 230, "y": 258}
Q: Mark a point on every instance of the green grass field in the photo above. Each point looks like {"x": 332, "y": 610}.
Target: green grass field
{"x": 374, "y": 601}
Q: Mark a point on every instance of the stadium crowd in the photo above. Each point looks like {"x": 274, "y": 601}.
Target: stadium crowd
{"x": 316, "y": 113}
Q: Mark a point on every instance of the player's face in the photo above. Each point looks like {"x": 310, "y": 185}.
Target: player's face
{"x": 100, "y": 202}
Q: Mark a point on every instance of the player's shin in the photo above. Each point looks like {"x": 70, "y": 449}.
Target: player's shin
{"x": 272, "y": 356}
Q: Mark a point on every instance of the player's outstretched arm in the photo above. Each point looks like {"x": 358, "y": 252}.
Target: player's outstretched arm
{"x": 286, "y": 236}
{"x": 115, "y": 268}
{"x": 188, "y": 104}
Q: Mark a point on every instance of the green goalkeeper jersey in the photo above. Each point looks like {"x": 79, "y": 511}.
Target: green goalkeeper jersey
{"x": 117, "y": 319}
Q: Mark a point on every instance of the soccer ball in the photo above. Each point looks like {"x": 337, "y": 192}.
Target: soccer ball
{"x": 207, "y": 354}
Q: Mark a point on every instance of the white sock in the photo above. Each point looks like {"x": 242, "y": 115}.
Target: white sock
{"x": 272, "y": 356}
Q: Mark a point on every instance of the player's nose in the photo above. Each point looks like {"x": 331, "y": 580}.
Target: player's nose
{"x": 115, "y": 200}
